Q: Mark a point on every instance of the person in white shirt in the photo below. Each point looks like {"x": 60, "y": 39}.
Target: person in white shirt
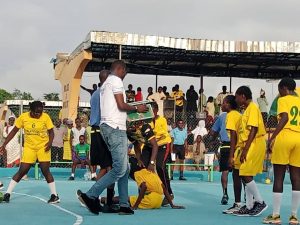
{"x": 263, "y": 105}
{"x": 159, "y": 98}
{"x": 76, "y": 132}
{"x": 113, "y": 127}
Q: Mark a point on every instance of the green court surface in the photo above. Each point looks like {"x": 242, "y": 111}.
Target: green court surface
{"x": 201, "y": 199}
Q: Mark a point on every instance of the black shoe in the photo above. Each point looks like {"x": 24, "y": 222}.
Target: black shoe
{"x": 182, "y": 178}
{"x": 6, "y": 197}
{"x": 224, "y": 200}
{"x": 126, "y": 211}
{"x": 92, "y": 204}
{"x": 258, "y": 208}
{"x": 94, "y": 179}
{"x": 109, "y": 209}
{"x": 1, "y": 186}
{"x": 71, "y": 178}
{"x": 53, "y": 199}
{"x": 244, "y": 211}
{"x": 172, "y": 178}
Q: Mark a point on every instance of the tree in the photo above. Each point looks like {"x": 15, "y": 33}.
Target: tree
{"x": 18, "y": 95}
{"x": 4, "y": 95}
{"x": 51, "y": 97}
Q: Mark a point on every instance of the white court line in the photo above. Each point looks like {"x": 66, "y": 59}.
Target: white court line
{"x": 79, "y": 219}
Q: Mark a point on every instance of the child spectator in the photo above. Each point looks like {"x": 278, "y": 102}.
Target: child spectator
{"x": 139, "y": 95}
{"x": 198, "y": 151}
{"x": 81, "y": 156}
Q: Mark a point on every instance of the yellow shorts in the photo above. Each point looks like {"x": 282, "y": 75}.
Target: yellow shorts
{"x": 255, "y": 158}
{"x": 152, "y": 200}
{"x": 286, "y": 149}
{"x": 30, "y": 155}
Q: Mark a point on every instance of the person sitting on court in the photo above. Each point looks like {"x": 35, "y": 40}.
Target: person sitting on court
{"x": 150, "y": 188}
{"x": 81, "y": 156}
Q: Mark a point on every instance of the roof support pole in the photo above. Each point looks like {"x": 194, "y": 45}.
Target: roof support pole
{"x": 120, "y": 52}
{"x": 201, "y": 82}
{"x": 156, "y": 82}
{"x": 69, "y": 71}
{"x": 230, "y": 84}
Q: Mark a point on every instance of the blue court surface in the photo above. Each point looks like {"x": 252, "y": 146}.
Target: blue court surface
{"x": 201, "y": 199}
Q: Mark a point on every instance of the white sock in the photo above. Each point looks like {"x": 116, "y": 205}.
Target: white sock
{"x": 11, "y": 186}
{"x": 94, "y": 175}
{"x": 249, "y": 198}
{"x": 276, "y": 203}
{"x": 254, "y": 191}
{"x": 295, "y": 202}
{"x": 72, "y": 175}
{"x": 52, "y": 188}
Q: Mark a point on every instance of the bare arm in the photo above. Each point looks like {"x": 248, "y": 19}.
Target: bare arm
{"x": 137, "y": 151}
{"x": 233, "y": 141}
{"x": 51, "y": 137}
{"x": 10, "y": 136}
{"x": 126, "y": 107}
{"x": 284, "y": 118}
{"x": 169, "y": 198}
{"x": 142, "y": 192}
{"x": 251, "y": 137}
{"x": 154, "y": 145}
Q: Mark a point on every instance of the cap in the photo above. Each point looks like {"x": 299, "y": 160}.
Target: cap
{"x": 69, "y": 122}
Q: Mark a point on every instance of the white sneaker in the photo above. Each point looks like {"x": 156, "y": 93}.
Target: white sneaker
{"x": 236, "y": 207}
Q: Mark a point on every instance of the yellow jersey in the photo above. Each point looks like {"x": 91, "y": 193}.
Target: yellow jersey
{"x": 290, "y": 104}
{"x": 233, "y": 121}
{"x": 160, "y": 129}
{"x": 35, "y": 130}
{"x": 152, "y": 181}
{"x": 251, "y": 118}
{"x": 177, "y": 95}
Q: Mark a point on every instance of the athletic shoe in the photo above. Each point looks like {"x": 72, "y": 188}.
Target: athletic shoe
{"x": 258, "y": 208}
{"x": 182, "y": 178}
{"x": 1, "y": 186}
{"x": 94, "y": 179}
{"x": 53, "y": 199}
{"x": 244, "y": 211}
{"x": 232, "y": 209}
{"x": 224, "y": 200}
{"x": 270, "y": 219}
{"x": 293, "y": 220}
{"x": 165, "y": 201}
{"x": 6, "y": 197}
{"x": 109, "y": 209}
{"x": 126, "y": 211}
{"x": 92, "y": 204}
{"x": 71, "y": 178}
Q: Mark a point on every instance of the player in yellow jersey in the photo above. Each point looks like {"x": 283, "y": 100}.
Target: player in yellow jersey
{"x": 232, "y": 123}
{"x": 285, "y": 147}
{"x": 251, "y": 149}
{"x": 38, "y": 137}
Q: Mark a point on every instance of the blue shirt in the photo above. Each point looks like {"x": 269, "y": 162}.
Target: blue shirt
{"x": 95, "y": 108}
{"x": 220, "y": 127}
{"x": 179, "y": 136}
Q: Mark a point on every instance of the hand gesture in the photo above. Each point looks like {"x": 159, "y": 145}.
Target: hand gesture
{"x": 244, "y": 155}
{"x": 48, "y": 147}
{"x": 151, "y": 168}
{"x": 141, "y": 164}
{"x": 270, "y": 145}
{"x": 177, "y": 207}
{"x": 141, "y": 108}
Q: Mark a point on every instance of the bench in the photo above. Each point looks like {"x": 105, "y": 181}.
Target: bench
{"x": 37, "y": 171}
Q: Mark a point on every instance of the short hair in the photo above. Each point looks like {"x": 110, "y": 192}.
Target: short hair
{"x": 117, "y": 63}
{"x": 36, "y": 104}
{"x": 179, "y": 120}
{"x": 82, "y": 136}
{"x": 210, "y": 99}
{"x": 78, "y": 118}
{"x": 231, "y": 100}
{"x": 287, "y": 82}
{"x": 244, "y": 90}
{"x": 139, "y": 89}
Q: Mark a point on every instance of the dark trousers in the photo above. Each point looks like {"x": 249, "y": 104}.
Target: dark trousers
{"x": 161, "y": 159}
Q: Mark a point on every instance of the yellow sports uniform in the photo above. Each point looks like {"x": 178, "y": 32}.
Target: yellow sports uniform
{"x": 255, "y": 157}
{"x": 36, "y": 137}
{"x": 154, "y": 194}
{"x": 233, "y": 121}
{"x": 160, "y": 129}
{"x": 286, "y": 149}
{"x": 67, "y": 145}
{"x": 177, "y": 95}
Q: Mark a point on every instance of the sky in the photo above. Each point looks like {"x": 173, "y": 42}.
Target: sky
{"x": 33, "y": 31}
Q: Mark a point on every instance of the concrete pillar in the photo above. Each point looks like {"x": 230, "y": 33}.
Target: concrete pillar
{"x": 69, "y": 71}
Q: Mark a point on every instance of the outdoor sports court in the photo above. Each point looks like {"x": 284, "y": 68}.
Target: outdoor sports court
{"x": 201, "y": 199}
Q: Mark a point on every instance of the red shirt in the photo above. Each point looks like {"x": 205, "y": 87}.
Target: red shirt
{"x": 139, "y": 96}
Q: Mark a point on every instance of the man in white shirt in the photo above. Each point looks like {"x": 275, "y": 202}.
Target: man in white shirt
{"x": 159, "y": 98}
{"x": 113, "y": 128}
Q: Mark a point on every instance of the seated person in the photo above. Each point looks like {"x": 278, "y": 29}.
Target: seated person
{"x": 81, "y": 156}
{"x": 151, "y": 189}
{"x": 198, "y": 151}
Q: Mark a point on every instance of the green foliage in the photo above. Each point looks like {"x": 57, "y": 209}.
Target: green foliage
{"x": 18, "y": 95}
{"x": 4, "y": 95}
{"x": 51, "y": 97}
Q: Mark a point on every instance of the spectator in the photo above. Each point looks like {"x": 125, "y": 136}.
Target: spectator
{"x": 210, "y": 107}
{"x": 130, "y": 94}
{"x": 164, "y": 88}
{"x": 178, "y": 96}
{"x": 159, "y": 98}
{"x": 76, "y": 132}
{"x": 263, "y": 104}
{"x": 67, "y": 156}
{"x": 81, "y": 156}
{"x": 199, "y": 130}
{"x": 191, "y": 99}
{"x": 150, "y": 92}
{"x": 13, "y": 148}
{"x": 198, "y": 151}
{"x": 179, "y": 145}
{"x": 91, "y": 91}
{"x": 139, "y": 95}
{"x": 58, "y": 142}
{"x": 220, "y": 98}
{"x": 202, "y": 101}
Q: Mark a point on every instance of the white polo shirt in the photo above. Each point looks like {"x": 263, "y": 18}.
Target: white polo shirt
{"x": 110, "y": 113}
